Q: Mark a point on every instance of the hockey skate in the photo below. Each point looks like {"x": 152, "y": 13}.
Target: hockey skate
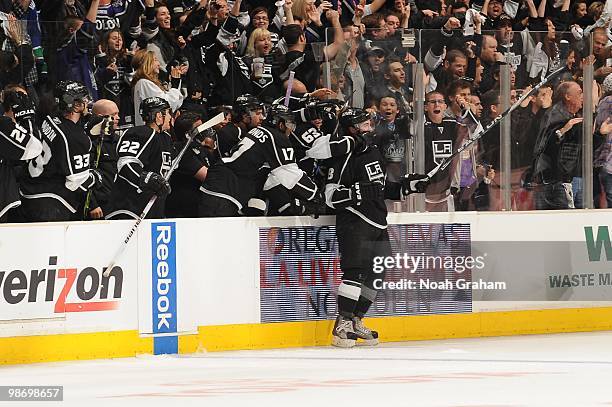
{"x": 367, "y": 336}
{"x": 343, "y": 335}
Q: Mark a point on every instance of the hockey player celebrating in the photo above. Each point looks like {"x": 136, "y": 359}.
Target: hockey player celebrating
{"x": 231, "y": 186}
{"x": 144, "y": 157}
{"x": 355, "y": 188}
{"x": 58, "y": 179}
{"x": 247, "y": 113}
{"x": 18, "y": 141}
{"x": 315, "y": 139}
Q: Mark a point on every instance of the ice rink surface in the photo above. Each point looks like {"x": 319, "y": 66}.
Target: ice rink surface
{"x": 539, "y": 370}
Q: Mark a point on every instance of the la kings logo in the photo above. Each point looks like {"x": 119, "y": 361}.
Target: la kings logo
{"x": 441, "y": 149}
{"x": 266, "y": 77}
{"x": 166, "y": 163}
{"x": 374, "y": 171}
{"x": 513, "y": 59}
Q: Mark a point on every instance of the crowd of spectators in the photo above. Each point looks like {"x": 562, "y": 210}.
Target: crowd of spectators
{"x": 202, "y": 55}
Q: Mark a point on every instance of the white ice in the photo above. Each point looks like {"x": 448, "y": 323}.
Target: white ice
{"x": 540, "y": 370}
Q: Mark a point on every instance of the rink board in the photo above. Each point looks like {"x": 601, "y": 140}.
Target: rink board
{"x": 197, "y": 285}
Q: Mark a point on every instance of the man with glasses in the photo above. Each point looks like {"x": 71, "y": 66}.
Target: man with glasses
{"x": 440, "y": 143}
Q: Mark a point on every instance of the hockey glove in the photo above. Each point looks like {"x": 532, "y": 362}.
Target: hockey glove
{"x": 96, "y": 179}
{"x": 23, "y": 108}
{"x": 99, "y": 125}
{"x": 153, "y": 182}
{"x": 316, "y": 206}
{"x": 367, "y": 191}
{"x": 414, "y": 183}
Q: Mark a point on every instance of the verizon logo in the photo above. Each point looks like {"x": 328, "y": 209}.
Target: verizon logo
{"x": 91, "y": 288}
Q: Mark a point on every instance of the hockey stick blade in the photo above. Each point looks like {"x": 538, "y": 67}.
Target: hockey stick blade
{"x": 190, "y": 136}
{"x": 210, "y": 123}
{"x": 446, "y": 161}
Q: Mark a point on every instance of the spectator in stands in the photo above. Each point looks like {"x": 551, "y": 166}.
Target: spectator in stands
{"x": 440, "y": 142}
{"x": 579, "y": 12}
{"x": 454, "y": 67}
{"x": 75, "y": 49}
{"x": 489, "y": 56}
{"x": 15, "y": 64}
{"x": 557, "y": 149}
{"x": 160, "y": 36}
{"x": 372, "y": 70}
{"x": 602, "y": 53}
{"x": 395, "y": 85}
{"x": 476, "y": 104}
{"x": 114, "y": 72}
{"x": 491, "y": 104}
{"x": 355, "y": 80}
{"x": 258, "y": 58}
{"x": 392, "y": 131}
{"x": 458, "y": 93}
{"x": 301, "y": 60}
{"x": 146, "y": 82}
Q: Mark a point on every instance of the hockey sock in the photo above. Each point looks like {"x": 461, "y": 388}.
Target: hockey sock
{"x": 367, "y": 297}
{"x": 348, "y": 295}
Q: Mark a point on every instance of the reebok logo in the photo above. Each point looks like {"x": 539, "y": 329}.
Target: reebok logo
{"x": 164, "y": 287}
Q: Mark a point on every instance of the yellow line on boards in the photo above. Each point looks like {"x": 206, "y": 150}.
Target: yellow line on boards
{"x": 100, "y": 345}
{"x": 93, "y": 345}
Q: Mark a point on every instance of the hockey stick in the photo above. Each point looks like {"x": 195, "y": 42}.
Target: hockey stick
{"x": 446, "y": 161}
{"x": 289, "y": 88}
{"x": 96, "y": 165}
{"x": 190, "y": 136}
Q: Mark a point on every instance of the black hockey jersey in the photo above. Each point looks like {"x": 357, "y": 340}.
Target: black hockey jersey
{"x": 227, "y": 137}
{"x": 62, "y": 170}
{"x": 366, "y": 166}
{"x": 237, "y": 179}
{"x": 440, "y": 143}
{"x": 16, "y": 143}
{"x": 116, "y": 86}
{"x": 311, "y": 144}
{"x": 268, "y": 87}
{"x": 139, "y": 149}
{"x": 183, "y": 201}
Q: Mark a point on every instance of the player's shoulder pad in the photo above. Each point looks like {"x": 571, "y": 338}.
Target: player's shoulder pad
{"x": 138, "y": 132}
{"x": 262, "y": 134}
